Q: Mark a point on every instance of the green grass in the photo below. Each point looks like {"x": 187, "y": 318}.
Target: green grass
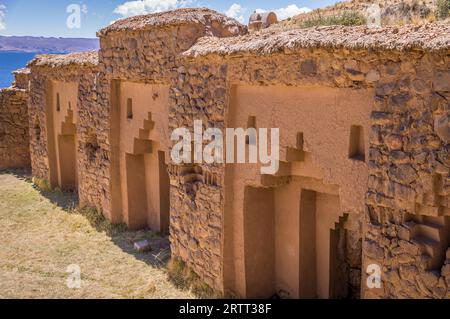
{"x": 443, "y": 9}
{"x": 350, "y": 18}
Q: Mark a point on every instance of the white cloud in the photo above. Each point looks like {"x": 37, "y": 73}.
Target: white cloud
{"x": 236, "y": 11}
{"x": 287, "y": 12}
{"x": 2, "y": 17}
{"x": 137, "y": 7}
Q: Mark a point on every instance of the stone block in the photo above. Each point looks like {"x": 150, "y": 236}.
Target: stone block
{"x": 142, "y": 246}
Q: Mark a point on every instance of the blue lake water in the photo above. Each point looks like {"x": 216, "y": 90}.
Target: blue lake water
{"x": 10, "y": 61}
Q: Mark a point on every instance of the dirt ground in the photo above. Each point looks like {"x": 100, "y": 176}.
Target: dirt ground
{"x": 41, "y": 235}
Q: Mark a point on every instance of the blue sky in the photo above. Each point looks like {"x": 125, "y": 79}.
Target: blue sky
{"x": 49, "y": 17}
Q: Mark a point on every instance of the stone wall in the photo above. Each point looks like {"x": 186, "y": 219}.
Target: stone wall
{"x": 408, "y": 189}
{"x": 198, "y": 210}
{"x": 393, "y": 204}
{"x": 147, "y": 50}
{"x": 14, "y": 132}
{"x": 407, "y": 161}
{"x": 92, "y": 128}
{"x": 21, "y": 78}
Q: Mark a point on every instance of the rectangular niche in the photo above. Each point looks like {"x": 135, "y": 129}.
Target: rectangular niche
{"x": 357, "y": 144}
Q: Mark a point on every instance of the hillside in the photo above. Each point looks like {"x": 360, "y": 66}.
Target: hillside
{"x": 393, "y": 12}
{"x": 46, "y": 45}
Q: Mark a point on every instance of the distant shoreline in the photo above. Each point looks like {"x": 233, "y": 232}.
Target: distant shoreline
{"x": 42, "y": 45}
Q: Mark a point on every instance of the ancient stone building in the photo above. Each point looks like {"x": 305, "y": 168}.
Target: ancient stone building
{"x": 68, "y": 132}
{"x": 139, "y": 61}
{"x": 14, "y": 140}
{"x": 363, "y": 117}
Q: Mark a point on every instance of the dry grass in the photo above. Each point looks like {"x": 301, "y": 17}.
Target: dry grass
{"x": 42, "y": 234}
{"x": 184, "y": 278}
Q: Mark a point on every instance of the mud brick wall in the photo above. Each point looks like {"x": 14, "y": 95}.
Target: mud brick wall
{"x": 14, "y": 132}
{"x": 92, "y": 132}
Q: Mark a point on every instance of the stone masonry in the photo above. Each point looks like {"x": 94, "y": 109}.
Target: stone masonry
{"x": 364, "y": 180}
{"x": 92, "y": 133}
{"x": 14, "y": 127}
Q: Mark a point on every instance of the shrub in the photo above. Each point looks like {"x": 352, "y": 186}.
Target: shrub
{"x": 443, "y": 9}
{"x": 348, "y": 18}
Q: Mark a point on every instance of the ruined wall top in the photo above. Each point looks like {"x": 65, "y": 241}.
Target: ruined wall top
{"x": 78, "y": 59}
{"x": 428, "y": 37}
{"x": 22, "y": 71}
{"x": 21, "y": 78}
{"x": 215, "y": 23}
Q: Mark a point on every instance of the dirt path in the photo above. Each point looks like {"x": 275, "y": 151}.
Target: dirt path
{"x": 39, "y": 239}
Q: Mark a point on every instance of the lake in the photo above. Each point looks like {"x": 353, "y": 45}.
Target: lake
{"x": 10, "y": 61}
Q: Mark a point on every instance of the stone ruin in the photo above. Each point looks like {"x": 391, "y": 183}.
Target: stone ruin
{"x": 363, "y": 184}
{"x": 14, "y": 126}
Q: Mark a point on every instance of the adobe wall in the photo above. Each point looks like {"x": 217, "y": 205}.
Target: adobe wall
{"x": 145, "y": 51}
{"x": 398, "y": 95}
{"x": 297, "y": 93}
{"x": 14, "y": 131}
{"x": 74, "y": 78}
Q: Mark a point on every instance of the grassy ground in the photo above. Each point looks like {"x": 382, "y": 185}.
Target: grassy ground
{"x": 41, "y": 235}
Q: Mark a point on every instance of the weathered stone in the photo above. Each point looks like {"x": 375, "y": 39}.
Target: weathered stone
{"x": 404, "y": 233}
{"x": 445, "y": 270}
{"x": 409, "y": 248}
{"x": 400, "y": 99}
{"x": 355, "y": 75}
{"x": 405, "y": 259}
{"x": 394, "y": 142}
{"x": 374, "y": 251}
{"x": 308, "y": 68}
{"x": 142, "y": 246}
{"x": 372, "y": 76}
{"x": 430, "y": 279}
{"x": 420, "y": 86}
{"x": 441, "y": 81}
{"x": 399, "y": 157}
{"x": 381, "y": 118}
{"x": 442, "y": 127}
{"x": 404, "y": 174}
{"x": 408, "y": 272}
{"x": 392, "y": 277}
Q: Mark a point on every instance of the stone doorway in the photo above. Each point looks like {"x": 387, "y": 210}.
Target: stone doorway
{"x": 140, "y": 156}
{"x": 291, "y": 250}
{"x": 62, "y": 134}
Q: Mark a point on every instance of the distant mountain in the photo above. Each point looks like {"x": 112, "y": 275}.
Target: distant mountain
{"x": 47, "y": 45}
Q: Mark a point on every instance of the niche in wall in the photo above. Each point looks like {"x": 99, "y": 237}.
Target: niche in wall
{"x": 357, "y": 144}
{"x": 130, "y": 109}
{"x": 58, "y": 102}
